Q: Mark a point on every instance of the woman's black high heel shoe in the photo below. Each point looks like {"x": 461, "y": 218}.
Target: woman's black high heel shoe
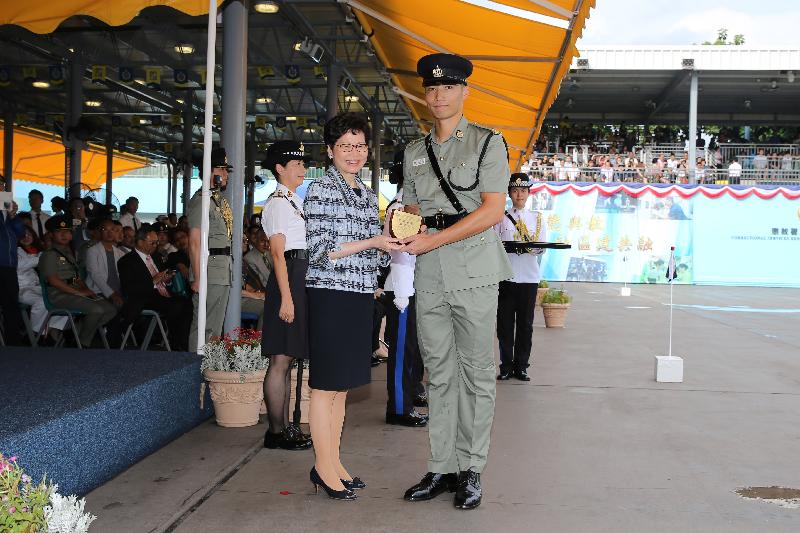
{"x": 345, "y": 494}
{"x": 354, "y": 484}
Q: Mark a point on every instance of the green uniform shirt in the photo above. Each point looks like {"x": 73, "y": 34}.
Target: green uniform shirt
{"x": 476, "y": 261}
{"x": 219, "y": 236}
{"x": 59, "y": 261}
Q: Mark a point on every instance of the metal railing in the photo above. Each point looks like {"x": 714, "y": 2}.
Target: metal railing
{"x": 719, "y": 176}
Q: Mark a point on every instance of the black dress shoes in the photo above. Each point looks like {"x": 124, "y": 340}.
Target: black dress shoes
{"x": 285, "y": 440}
{"x": 421, "y": 400}
{"x": 468, "y": 494}
{"x": 522, "y": 375}
{"x": 431, "y": 486}
{"x": 412, "y": 419}
{"x": 504, "y": 375}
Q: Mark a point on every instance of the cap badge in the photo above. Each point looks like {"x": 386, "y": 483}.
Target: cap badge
{"x": 302, "y": 148}
{"x": 438, "y": 72}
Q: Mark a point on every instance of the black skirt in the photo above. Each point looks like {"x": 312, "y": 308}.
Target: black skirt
{"x": 340, "y": 333}
{"x": 278, "y": 337}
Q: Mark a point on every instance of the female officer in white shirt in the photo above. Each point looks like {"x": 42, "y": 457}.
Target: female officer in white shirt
{"x": 285, "y": 330}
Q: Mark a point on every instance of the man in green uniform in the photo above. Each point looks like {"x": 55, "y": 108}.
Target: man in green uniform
{"x": 65, "y": 287}
{"x": 456, "y": 178}
{"x": 220, "y": 228}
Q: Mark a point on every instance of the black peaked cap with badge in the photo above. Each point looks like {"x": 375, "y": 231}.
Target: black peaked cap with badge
{"x": 444, "y": 69}
{"x": 219, "y": 159}
{"x": 519, "y": 179}
{"x": 281, "y": 152}
{"x": 58, "y": 222}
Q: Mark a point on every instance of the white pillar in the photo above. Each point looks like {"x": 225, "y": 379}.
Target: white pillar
{"x": 693, "y": 128}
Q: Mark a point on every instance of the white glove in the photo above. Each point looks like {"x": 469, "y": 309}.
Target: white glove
{"x": 401, "y": 303}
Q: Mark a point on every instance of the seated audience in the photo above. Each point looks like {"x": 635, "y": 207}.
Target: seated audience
{"x": 30, "y": 290}
{"x": 144, "y": 287}
{"x": 66, "y": 288}
{"x": 164, "y": 247}
{"x": 11, "y": 230}
{"x": 101, "y": 264}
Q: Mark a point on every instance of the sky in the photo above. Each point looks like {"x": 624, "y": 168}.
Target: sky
{"x": 763, "y": 23}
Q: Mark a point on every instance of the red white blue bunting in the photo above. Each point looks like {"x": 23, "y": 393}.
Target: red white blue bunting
{"x": 740, "y": 192}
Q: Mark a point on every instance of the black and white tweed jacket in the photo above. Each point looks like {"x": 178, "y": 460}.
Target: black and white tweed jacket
{"x": 335, "y": 214}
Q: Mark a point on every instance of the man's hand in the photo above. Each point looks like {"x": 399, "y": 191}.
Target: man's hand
{"x": 420, "y": 243}
{"x": 116, "y": 299}
{"x": 196, "y": 285}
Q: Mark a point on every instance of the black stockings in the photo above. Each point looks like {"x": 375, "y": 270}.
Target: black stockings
{"x": 277, "y": 392}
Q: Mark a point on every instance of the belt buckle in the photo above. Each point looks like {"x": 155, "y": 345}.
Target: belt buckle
{"x": 439, "y": 220}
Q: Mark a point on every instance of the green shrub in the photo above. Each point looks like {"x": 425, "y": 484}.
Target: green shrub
{"x": 556, "y": 297}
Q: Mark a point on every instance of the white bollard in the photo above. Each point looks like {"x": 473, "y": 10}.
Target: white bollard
{"x": 669, "y": 369}
{"x": 625, "y": 291}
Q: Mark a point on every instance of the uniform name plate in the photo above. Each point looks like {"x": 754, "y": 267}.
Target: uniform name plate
{"x": 404, "y": 225}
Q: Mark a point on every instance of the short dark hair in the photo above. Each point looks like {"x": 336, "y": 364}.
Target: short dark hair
{"x": 344, "y": 123}
{"x": 131, "y": 199}
{"x": 36, "y": 191}
{"x": 143, "y": 232}
{"x": 117, "y": 222}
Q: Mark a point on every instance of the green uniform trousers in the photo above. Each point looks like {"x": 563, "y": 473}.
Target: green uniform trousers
{"x": 216, "y": 305}
{"x": 96, "y": 313}
{"x": 456, "y": 338}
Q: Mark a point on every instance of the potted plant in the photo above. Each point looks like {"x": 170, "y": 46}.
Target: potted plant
{"x": 37, "y": 508}
{"x": 234, "y": 369}
{"x": 555, "y": 305}
{"x": 541, "y": 291}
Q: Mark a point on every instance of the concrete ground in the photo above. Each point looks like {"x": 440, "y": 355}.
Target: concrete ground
{"x": 593, "y": 443}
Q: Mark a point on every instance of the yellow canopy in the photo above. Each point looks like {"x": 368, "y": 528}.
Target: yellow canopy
{"x": 39, "y": 157}
{"x": 518, "y": 63}
{"x": 44, "y": 17}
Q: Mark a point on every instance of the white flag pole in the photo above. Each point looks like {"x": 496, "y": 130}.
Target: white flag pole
{"x": 670, "y": 275}
{"x": 206, "y": 174}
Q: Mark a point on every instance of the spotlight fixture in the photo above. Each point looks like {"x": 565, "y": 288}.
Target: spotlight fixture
{"x": 790, "y": 76}
{"x": 291, "y": 119}
{"x": 308, "y": 130}
{"x": 263, "y": 100}
{"x": 311, "y": 49}
{"x": 184, "y": 48}
{"x": 747, "y": 104}
{"x": 297, "y": 46}
{"x": 179, "y": 100}
{"x": 351, "y": 98}
{"x": 92, "y": 103}
{"x": 266, "y": 6}
{"x": 41, "y": 84}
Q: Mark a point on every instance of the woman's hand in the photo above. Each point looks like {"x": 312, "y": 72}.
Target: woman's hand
{"x": 286, "y": 312}
{"x": 385, "y": 243}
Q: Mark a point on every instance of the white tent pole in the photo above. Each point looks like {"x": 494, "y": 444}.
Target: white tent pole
{"x": 206, "y": 173}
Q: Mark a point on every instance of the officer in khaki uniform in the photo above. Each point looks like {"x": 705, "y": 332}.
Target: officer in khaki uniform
{"x": 220, "y": 231}
{"x": 456, "y": 178}
{"x": 65, "y": 287}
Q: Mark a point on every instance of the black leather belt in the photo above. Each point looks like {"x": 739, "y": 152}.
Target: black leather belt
{"x": 441, "y": 220}
{"x": 296, "y": 254}
{"x": 220, "y": 251}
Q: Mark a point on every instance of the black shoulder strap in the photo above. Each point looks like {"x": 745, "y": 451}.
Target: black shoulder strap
{"x": 514, "y": 222}
{"x": 451, "y": 196}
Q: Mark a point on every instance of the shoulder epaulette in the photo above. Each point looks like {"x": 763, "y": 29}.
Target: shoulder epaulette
{"x": 486, "y": 128}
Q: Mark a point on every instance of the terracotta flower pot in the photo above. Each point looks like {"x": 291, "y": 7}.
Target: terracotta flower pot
{"x": 555, "y": 315}
{"x": 540, "y": 292}
{"x": 237, "y": 397}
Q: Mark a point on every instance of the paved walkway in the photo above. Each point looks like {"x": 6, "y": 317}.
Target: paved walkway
{"x": 592, "y": 444}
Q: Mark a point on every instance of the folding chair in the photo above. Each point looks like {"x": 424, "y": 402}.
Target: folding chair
{"x": 25, "y": 311}
{"x": 155, "y": 320}
{"x": 71, "y": 315}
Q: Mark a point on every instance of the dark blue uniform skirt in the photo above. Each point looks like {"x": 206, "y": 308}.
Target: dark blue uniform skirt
{"x": 278, "y": 337}
{"x": 340, "y": 339}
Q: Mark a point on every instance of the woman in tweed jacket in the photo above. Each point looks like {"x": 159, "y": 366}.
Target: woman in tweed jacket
{"x": 344, "y": 238}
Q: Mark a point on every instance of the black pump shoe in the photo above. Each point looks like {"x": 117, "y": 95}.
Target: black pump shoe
{"x": 354, "y": 484}
{"x": 431, "y": 486}
{"x": 469, "y": 493}
{"x": 284, "y": 441}
{"x": 346, "y": 494}
{"x": 504, "y": 375}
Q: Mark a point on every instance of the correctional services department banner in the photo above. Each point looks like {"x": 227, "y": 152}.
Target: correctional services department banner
{"x": 623, "y": 233}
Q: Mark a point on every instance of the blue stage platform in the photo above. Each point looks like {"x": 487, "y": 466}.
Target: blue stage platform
{"x": 83, "y": 416}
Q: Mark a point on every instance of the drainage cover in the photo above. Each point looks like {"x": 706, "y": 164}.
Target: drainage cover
{"x": 782, "y": 496}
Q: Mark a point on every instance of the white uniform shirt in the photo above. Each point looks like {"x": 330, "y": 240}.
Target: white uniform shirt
{"x": 43, "y": 217}
{"x": 525, "y": 266}
{"x": 127, "y": 221}
{"x": 401, "y": 270}
{"x": 280, "y": 216}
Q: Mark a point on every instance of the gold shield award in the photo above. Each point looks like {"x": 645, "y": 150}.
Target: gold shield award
{"x": 404, "y": 225}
